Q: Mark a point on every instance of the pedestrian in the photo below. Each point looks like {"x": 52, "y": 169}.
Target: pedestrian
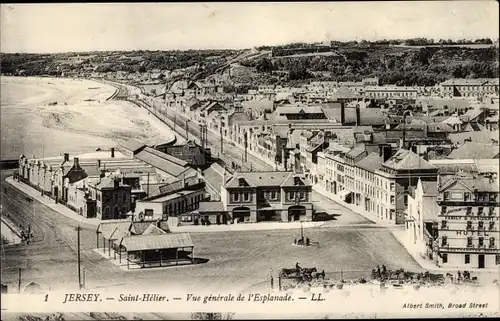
{"x": 378, "y": 270}
{"x": 384, "y": 270}
{"x": 307, "y": 241}
{"x": 272, "y": 282}
{"x": 295, "y": 241}
{"x": 459, "y": 276}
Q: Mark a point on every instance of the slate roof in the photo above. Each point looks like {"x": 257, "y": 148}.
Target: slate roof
{"x": 472, "y": 150}
{"x": 253, "y": 179}
{"x": 108, "y": 183}
{"x": 285, "y": 110}
{"x": 482, "y": 184}
{"x": 431, "y": 127}
{"x": 451, "y": 103}
{"x": 162, "y": 161}
{"x": 162, "y": 189}
{"x": 345, "y": 93}
{"x": 157, "y": 242}
{"x": 356, "y": 151}
{"x": 407, "y": 160}
{"x": 214, "y": 176}
{"x": 133, "y": 145}
{"x": 429, "y": 188}
{"x": 452, "y": 120}
{"x": 153, "y": 230}
{"x": 484, "y": 137}
{"x": 205, "y": 207}
{"x": 371, "y": 163}
{"x": 369, "y": 116}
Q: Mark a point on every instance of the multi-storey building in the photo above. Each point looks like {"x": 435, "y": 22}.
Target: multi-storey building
{"x": 376, "y": 182}
{"x": 468, "y": 231}
{"x": 263, "y": 196}
{"x": 113, "y": 198}
{"x": 390, "y": 92}
{"x": 470, "y": 87}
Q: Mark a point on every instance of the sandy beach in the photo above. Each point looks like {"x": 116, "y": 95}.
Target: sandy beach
{"x": 49, "y": 116}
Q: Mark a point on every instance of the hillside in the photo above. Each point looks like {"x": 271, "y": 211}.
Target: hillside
{"x": 392, "y": 63}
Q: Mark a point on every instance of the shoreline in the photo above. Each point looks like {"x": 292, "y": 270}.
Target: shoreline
{"x": 28, "y": 120}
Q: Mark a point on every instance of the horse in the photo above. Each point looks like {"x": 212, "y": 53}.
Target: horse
{"x": 288, "y": 272}
{"x": 309, "y": 270}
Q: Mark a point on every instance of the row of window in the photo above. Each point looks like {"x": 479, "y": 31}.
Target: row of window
{"x": 468, "y": 211}
{"x": 480, "y": 197}
{"x": 444, "y": 241}
{"x": 473, "y": 88}
{"x": 273, "y": 195}
{"x": 467, "y": 258}
{"x": 183, "y": 205}
{"x": 480, "y": 225}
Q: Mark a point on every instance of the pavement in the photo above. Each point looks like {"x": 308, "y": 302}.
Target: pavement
{"x": 47, "y": 201}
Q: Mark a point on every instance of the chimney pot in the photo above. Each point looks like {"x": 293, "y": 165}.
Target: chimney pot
{"x": 112, "y": 152}
{"x": 76, "y": 161}
{"x": 66, "y": 157}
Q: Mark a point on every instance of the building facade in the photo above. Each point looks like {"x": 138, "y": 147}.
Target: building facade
{"x": 468, "y": 222}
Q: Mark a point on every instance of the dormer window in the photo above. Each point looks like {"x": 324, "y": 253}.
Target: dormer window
{"x": 296, "y": 181}
{"x": 241, "y": 182}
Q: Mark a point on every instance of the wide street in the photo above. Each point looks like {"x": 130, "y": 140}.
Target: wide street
{"x": 234, "y": 154}
{"x": 51, "y": 259}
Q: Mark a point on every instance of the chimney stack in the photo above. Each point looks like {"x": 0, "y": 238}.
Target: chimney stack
{"x": 342, "y": 113}
{"x": 76, "y": 162}
{"x": 385, "y": 151}
{"x": 66, "y": 157}
{"x": 358, "y": 116}
{"x": 98, "y": 163}
{"x": 117, "y": 182}
{"x": 112, "y": 152}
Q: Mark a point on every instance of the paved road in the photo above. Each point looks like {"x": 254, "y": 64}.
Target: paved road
{"x": 234, "y": 154}
{"x": 55, "y": 242}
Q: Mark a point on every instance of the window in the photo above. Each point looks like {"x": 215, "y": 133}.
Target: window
{"x": 492, "y": 226}
{"x": 236, "y": 197}
{"x": 480, "y": 225}
{"x": 443, "y": 224}
{"x": 493, "y": 197}
{"x": 291, "y": 195}
{"x": 443, "y": 209}
{"x": 480, "y": 211}
{"x": 481, "y": 241}
{"x": 469, "y": 241}
{"x": 392, "y": 187}
{"x": 246, "y": 196}
{"x": 491, "y": 211}
{"x": 446, "y": 196}
{"x": 302, "y": 195}
{"x": 444, "y": 241}
{"x": 467, "y": 196}
{"x": 492, "y": 242}
{"x": 274, "y": 195}
{"x": 469, "y": 211}
{"x": 392, "y": 199}
{"x": 469, "y": 225}
{"x": 467, "y": 259}
{"x": 445, "y": 258}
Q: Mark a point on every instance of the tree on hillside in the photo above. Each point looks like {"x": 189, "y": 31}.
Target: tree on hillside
{"x": 264, "y": 65}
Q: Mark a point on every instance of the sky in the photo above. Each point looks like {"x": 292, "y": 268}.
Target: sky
{"x": 45, "y": 28}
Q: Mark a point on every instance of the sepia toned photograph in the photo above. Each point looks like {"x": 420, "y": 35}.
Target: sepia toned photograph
{"x": 252, "y": 160}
